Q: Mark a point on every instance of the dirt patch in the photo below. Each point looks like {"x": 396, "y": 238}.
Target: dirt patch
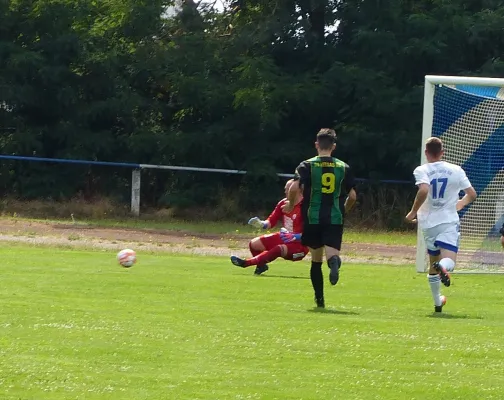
{"x": 76, "y": 235}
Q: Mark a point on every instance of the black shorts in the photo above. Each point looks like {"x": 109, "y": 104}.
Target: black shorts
{"x": 316, "y": 236}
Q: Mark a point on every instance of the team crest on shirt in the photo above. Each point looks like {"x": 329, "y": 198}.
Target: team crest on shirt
{"x": 294, "y": 216}
{"x": 289, "y": 224}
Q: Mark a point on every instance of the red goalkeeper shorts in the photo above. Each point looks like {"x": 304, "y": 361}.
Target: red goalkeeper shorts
{"x": 295, "y": 251}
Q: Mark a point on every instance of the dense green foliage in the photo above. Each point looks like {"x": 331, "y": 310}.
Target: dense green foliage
{"x": 245, "y": 88}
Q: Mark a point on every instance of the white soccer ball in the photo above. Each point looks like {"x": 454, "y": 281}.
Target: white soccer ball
{"x": 126, "y": 258}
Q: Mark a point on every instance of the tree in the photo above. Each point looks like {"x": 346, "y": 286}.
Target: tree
{"x": 246, "y": 88}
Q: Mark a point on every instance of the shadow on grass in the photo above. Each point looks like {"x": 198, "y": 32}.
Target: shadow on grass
{"x": 285, "y": 276}
{"x": 453, "y": 316}
{"x": 331, "y": 311}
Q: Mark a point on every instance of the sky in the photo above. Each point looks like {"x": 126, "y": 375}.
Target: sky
{"x": 219, "y": 5}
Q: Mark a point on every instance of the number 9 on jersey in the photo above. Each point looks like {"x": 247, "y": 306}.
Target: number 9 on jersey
{"x": 328, "y": 183}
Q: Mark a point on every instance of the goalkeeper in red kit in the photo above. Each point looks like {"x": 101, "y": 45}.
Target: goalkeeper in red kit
{"x": 285, "y": 244}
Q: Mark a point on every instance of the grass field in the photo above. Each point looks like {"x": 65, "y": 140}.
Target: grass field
{"x": 74, "y": 325}
{"x": 352, "y": 235}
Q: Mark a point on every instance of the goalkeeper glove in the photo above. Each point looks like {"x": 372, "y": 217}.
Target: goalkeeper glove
{"x": 257, "y": 223}
{"x": 288, "y": 237}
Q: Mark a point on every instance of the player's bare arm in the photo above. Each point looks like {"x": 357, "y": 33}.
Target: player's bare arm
{"x": 291, "y": 197}
{"x": 469, "y": 196}
{"x": 421, "y": 196}
{"x": 350, "y": 200}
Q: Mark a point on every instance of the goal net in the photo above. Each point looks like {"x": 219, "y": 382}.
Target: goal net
{"x": 467, "y": 114}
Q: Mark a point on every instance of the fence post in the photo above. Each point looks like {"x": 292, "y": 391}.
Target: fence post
{"x": 135, "y": 192}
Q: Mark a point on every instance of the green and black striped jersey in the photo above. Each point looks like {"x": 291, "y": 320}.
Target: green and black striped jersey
{"x": 326, "y": 182}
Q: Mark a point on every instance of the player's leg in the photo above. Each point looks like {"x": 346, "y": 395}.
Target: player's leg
{"x": 256, "y": 247}
{"x": 316, "y": 276}
{"x": 295, "y": 251}
{"x": 434, "y": 280}
{"x": 312, "y": 239}
{"x": 262, "y": 248}
{"x": 279, "y": 250}
{"x": 265, "y": 257}
{"x": 332, "y": 238}
{"x": 444, "y": 265}
{"x": 270, "y": 243}
{"x": 447, "y": 240}
{"x": 433, "y": 276}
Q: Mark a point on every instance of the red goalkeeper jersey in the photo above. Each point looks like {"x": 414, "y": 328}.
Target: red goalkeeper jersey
{"x": 292, "y": 221}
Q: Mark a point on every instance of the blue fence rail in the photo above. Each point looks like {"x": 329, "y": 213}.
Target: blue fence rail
{"x": 136, "y": 176}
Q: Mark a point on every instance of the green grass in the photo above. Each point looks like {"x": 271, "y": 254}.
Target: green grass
{"x": 231, "y": 228}
{"x": 74, "y": 325}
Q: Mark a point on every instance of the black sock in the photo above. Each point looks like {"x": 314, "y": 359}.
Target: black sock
{"x": 317, "y": 279}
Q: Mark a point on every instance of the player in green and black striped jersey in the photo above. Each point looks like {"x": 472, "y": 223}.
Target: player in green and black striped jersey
{"x": 328, "y": 192}
{"x": 326, "y": 182}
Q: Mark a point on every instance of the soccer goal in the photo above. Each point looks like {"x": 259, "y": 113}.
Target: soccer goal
{"x": 467, "y": 114}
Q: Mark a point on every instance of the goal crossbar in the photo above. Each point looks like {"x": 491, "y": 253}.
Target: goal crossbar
{"x": 463, "y": 80}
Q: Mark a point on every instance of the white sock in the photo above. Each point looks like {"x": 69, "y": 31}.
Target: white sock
{"x": 435, "y": 286}
{"x": 447, "y": 263}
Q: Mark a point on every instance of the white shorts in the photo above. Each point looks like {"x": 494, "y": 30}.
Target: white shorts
{"x": 442, "y": 236}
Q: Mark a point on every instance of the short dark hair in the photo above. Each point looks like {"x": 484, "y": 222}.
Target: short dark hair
{"x": 434, "y": 146}
{"x": 326, "y": 137}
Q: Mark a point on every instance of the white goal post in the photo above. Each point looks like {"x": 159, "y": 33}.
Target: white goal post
{"x": 467, "y": 113}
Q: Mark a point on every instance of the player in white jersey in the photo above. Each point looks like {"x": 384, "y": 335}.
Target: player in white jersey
{"x": 435, "y": 209}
